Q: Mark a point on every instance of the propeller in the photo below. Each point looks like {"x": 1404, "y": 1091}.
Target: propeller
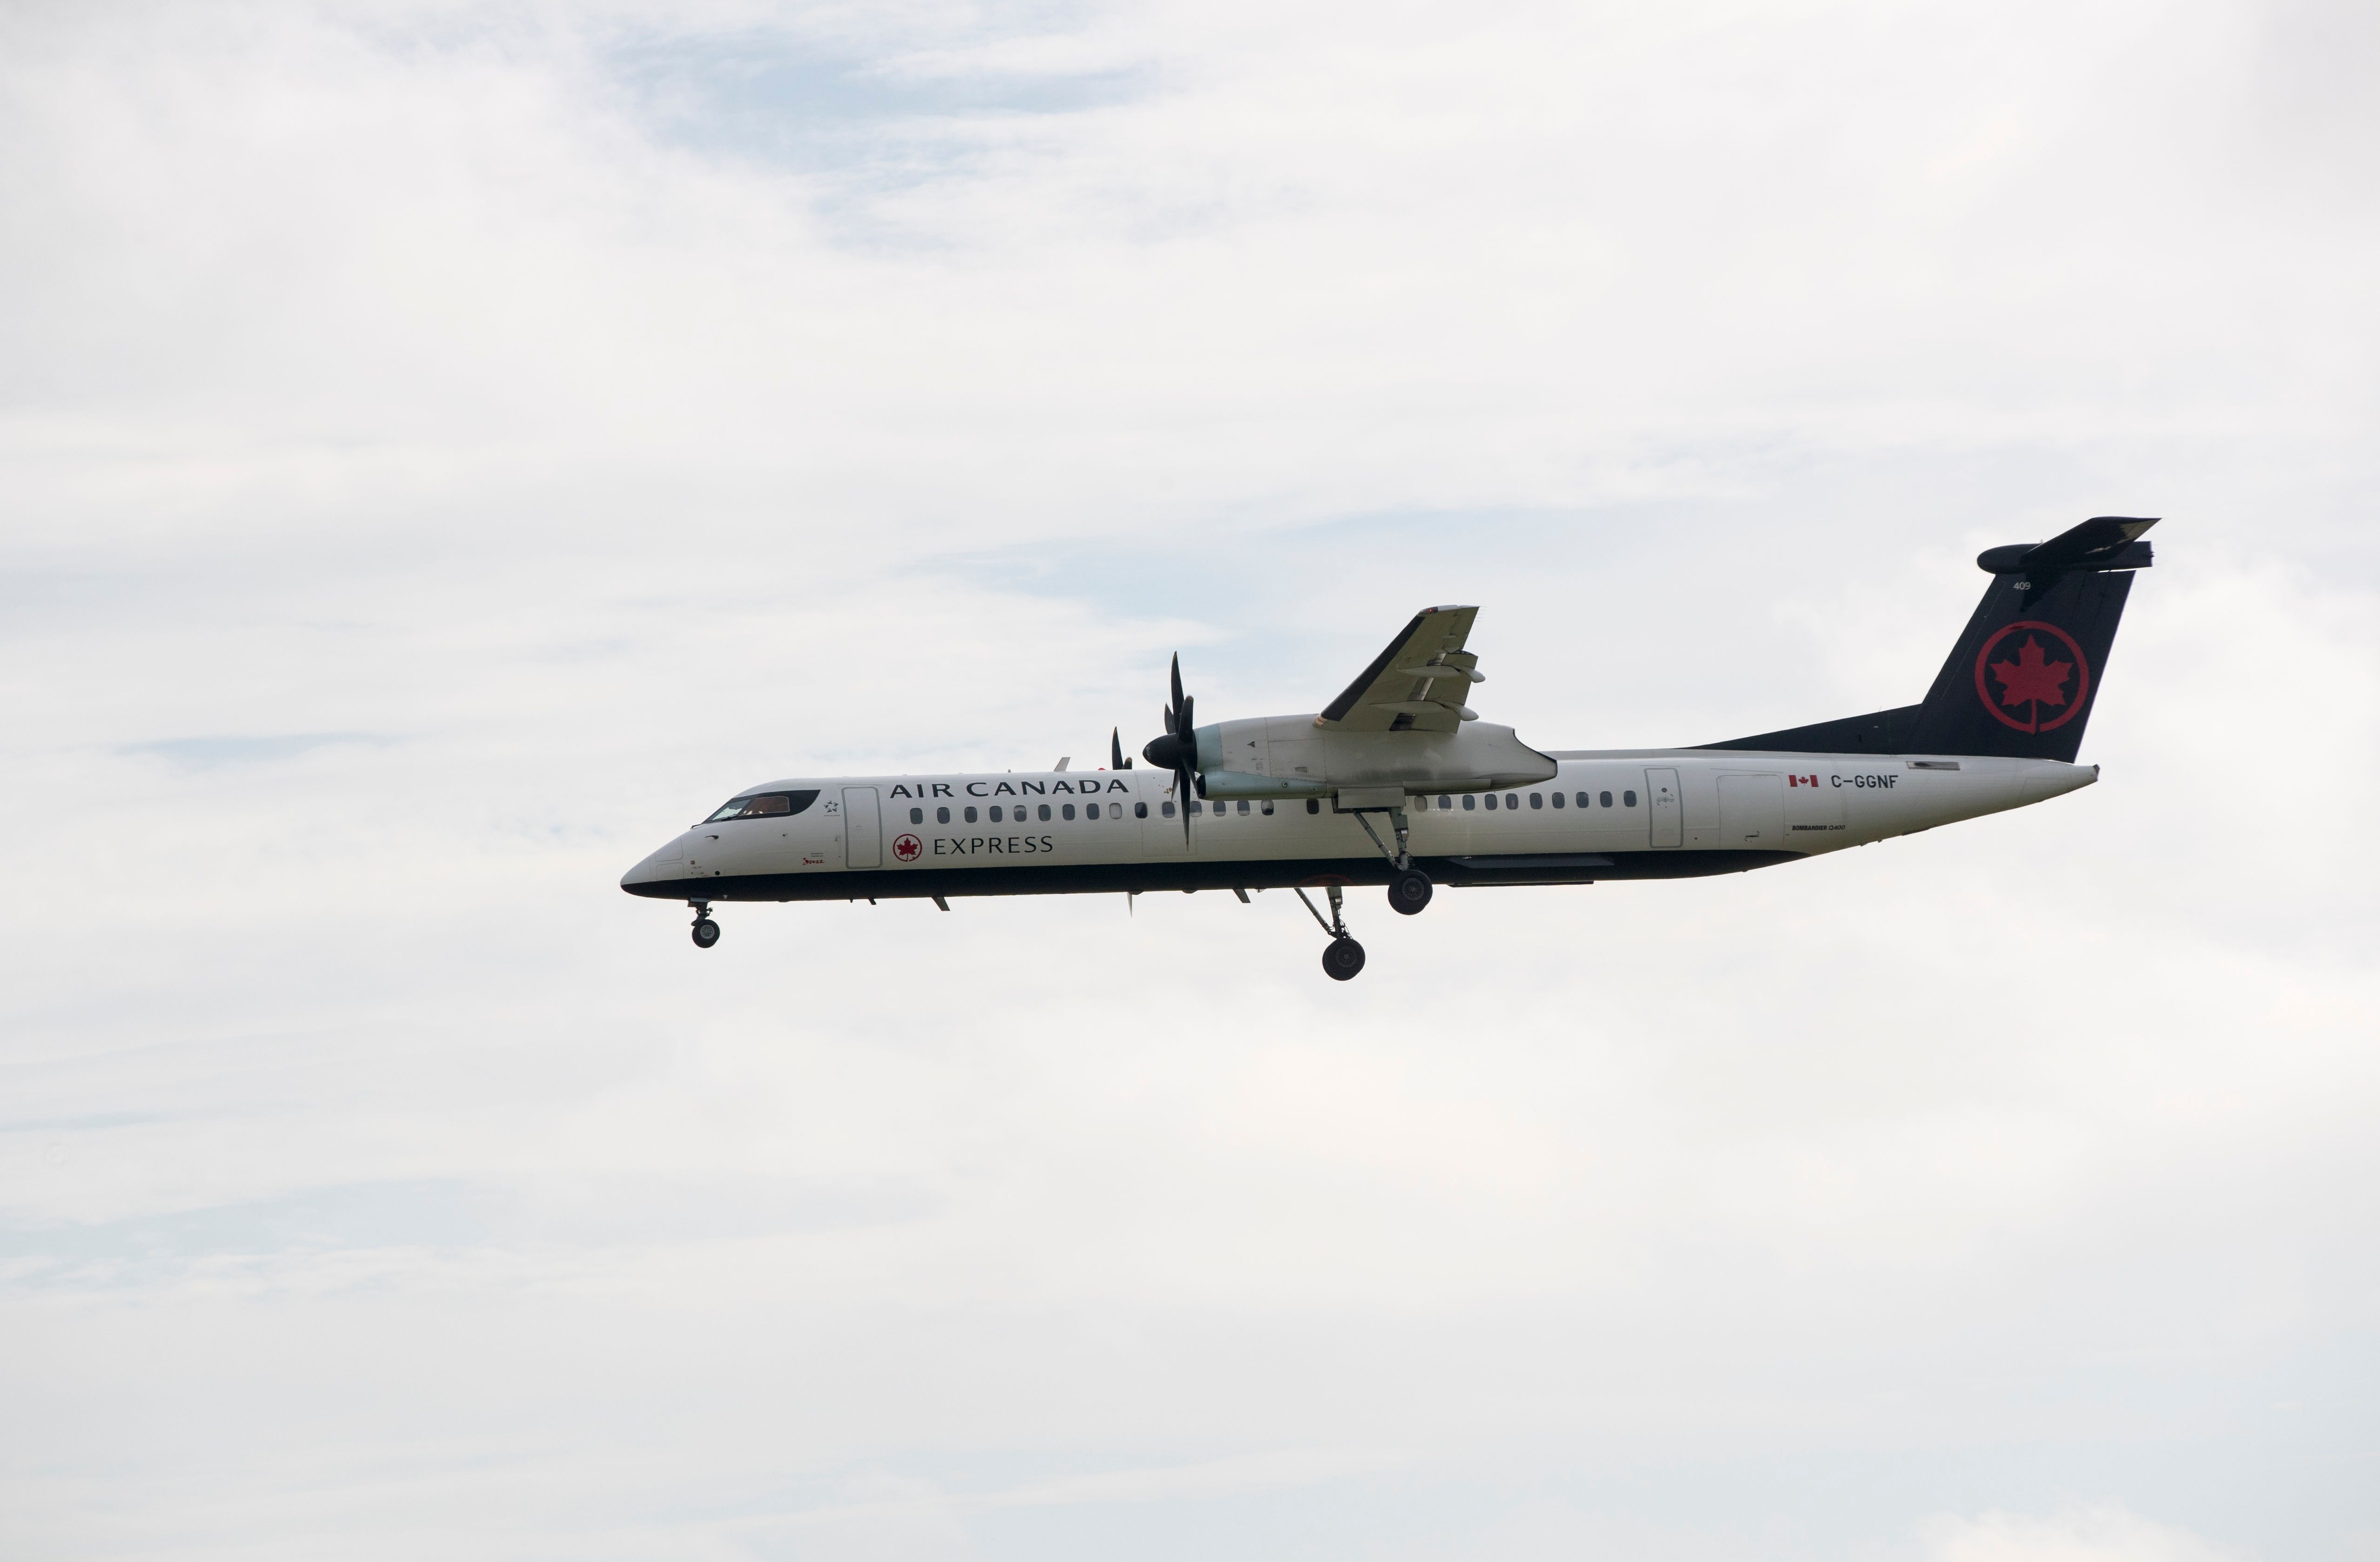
{"x": 1178, "y": 750}
{"x": 1115, "y": 751}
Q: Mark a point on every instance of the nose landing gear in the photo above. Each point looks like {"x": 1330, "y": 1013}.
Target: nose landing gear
{"x": 706, "y": 932}
{"x": 1342, "y": 956}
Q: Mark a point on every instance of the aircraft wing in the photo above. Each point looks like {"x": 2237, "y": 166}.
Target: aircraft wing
{"x": 1418, "y": 684}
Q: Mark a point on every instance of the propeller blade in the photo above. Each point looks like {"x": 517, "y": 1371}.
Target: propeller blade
{"x": 1115, "y": 749}
{"x": 1177, "y": 750}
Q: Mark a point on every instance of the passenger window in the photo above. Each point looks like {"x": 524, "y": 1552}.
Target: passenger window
{"x": 1511, "y": 800}
{"x": 1445, "y": 804}
{"x": 970, "y": 813}
{"x": 1196, "y": 807}
{"x": 1313, "y": 805}
{"x": 941, "y": 815}
{"x": 1491, "y": 802}
{"x": 1267, "y": 808}
{"x": 1069, "y": 810}
{"x": 917, "y": 816}
{"x": 1557, "y": 799}
{"x": 1243, "y": 804}
{"x": 1469, "y": 802}
{"x": 1584, "y": 800}
{"x": 1164, "y": 808}
{"x": 1607, "y": 800}
{"x": 995, "y": 813}
{"x": 1536, "y": 800}
{"x": 1140, "y": 810}
{"x": 1043, "y": 811}
{"x": 1115, "y": 810}
{"x": 1629, "y": 798}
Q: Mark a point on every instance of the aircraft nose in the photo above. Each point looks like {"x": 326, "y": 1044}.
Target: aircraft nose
{"x": 659, "y": 867}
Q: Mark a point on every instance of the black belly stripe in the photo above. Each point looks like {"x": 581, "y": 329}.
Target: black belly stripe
{"x": 1269, "y": 873}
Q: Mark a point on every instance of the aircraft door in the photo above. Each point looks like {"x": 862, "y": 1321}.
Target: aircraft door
{"x": 863, "y": 829}
{"x": 1162, "y": 835}
{"x": 1752, "y": 812}
{"x": 1669, "y": 812}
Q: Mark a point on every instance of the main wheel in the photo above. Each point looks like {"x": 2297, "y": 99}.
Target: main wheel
{"x": 1342, "y": 958}
{"x": 706, "y": 933}
{"x": 1409, "y": 890}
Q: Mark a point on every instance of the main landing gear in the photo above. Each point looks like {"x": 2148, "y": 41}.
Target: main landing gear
{"x": 1342, "y": 956}
{"x": 706, "y": 932}
{"x": 1409, "y": 890}
{"x": 1409, "y": 887}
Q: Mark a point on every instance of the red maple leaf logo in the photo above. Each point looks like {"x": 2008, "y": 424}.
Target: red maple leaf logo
{"x": 908, "y": 847}
{"x": 2031, "y": 676}
{"x": 2033, "y": 683}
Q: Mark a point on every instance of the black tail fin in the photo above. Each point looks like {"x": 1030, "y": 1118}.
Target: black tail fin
{"x": 2022, "y": 679}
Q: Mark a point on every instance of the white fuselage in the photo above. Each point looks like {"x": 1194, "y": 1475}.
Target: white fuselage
{"x": 1649, "y": 813}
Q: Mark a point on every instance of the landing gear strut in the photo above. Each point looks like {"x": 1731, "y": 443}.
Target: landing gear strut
{"x": 706, "y": 932}
{"x": 1409, "y": 887}
{"x": 1342, "y": 956}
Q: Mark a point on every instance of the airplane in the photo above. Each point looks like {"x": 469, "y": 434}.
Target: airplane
{"x": 1397, "y": 782}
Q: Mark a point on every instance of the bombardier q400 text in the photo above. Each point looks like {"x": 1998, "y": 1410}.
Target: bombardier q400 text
{"x": 1396, "y": 783}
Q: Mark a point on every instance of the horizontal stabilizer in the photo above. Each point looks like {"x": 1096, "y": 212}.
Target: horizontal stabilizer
{"x": 2103, "y": 543}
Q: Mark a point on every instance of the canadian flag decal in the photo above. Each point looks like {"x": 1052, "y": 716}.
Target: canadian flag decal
{"x": 1801, "y": 780}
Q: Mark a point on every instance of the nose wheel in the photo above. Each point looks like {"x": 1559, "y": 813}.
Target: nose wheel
{"x": 1342, "y": 956}
{"x": 706, "y": 932}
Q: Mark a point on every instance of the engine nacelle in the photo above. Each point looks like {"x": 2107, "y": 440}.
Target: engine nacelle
{"x": 1290, "y": 756}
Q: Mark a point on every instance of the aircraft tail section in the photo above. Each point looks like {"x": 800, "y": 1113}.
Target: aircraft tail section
{"x": 2022, "y": 679}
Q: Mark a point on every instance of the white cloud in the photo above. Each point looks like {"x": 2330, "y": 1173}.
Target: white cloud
{"x": 2104, "y": 1533}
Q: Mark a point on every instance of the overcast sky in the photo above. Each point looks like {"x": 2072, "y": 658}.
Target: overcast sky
{"x": 444, "y": 449}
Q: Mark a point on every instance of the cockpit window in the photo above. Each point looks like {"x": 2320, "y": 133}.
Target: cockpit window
{"x": 764, "y": 804}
